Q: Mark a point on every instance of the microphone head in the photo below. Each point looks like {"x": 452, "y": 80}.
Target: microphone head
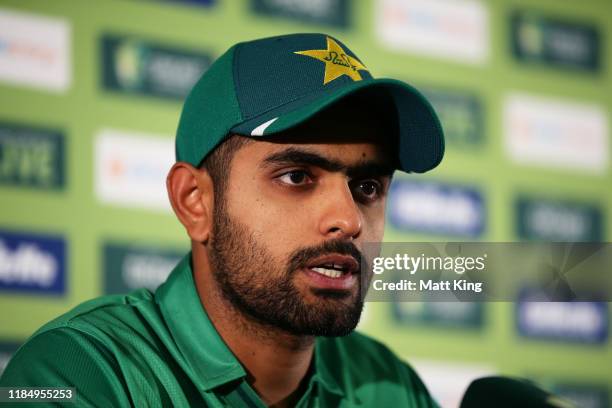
{"x": 505, "y": 392}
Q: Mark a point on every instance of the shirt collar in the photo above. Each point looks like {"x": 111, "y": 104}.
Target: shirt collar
{"x": 194, "y": 334}
{"x": 200, "y": 345}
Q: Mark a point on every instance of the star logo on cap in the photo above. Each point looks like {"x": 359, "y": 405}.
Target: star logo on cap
{"x": 337, "y": 62}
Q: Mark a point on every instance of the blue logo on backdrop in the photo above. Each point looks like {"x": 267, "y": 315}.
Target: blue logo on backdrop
{"x": 32, "y": 263}
{"x": 576, "y": 322}
{"x": 328, "y": 12}
{"x": 435, "y": 208}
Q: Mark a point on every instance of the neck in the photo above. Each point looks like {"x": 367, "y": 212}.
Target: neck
{"x": 276, "y": 362}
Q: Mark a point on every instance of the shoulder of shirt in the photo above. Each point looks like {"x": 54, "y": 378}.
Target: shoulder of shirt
{"x": 364, "y": 362}
{"x": 104, "y": 306}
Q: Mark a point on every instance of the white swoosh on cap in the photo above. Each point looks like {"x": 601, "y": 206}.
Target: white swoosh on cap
{"x": 259, "y": 130}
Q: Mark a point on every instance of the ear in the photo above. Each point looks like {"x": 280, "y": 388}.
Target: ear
{"x": 191, "y": 194}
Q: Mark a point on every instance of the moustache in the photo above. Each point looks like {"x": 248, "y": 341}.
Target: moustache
{"x": 301, "y": 258}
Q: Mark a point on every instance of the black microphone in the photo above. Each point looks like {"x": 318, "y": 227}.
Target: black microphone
{"x": 505, "y": 392}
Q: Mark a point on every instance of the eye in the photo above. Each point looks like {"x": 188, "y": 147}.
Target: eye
{"x": 296, "y": 178}
{"x": 367, "y": 190}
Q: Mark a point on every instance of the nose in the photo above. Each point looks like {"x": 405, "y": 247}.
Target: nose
{"x": 341, "y": 217}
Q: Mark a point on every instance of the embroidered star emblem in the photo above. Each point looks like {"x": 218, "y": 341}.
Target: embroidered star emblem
{"x": 337, "y": 62}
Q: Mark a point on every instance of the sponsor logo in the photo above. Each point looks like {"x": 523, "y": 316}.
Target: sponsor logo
{"x": 131, "y": 168}
{"x": 327, "y": 12}
{"x": 451, "y": 29}
{"x": 129, "y": 267}
{"x": 32, "y": 263}
{"x": 7, "y": 349}
{"x": 32, "y": 157}
{"x": 554, "y": 133}
{"x": 556, "y": 43}
{"x": 34, "y": 50}
{"x": 577, "y": 322}
{"x": 135, "y": 66}
{"x": 550, "y": 220}
{"x": 444, "y": 314}
{"x": 436, "y": 208}
{"x": 447, "y": 382}
{"x": 461, "y": 114}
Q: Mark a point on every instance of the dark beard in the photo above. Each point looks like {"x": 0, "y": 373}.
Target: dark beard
{"x": 262, "y": 291}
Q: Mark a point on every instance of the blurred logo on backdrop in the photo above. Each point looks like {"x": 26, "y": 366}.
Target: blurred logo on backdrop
{"x": 32, "y": 263}
{"x": 447, "y": 381}
{"x": 461, "y": 115}
{"x": 558, "y": 221}
{"x": 135, "y": 66}
{"x": 7, "y": 349}
{"x": 35, "y": 50}
{"x": 573, "y": 322}
{"x": 327, "y": 12}
{"x": 129, "y": 267}
{"x": 584, "y": 395}
{"x": 555, "y": 43}
{"x": 465, "y": 315}
{"x": 131, "y": 169}
{"x": 31, "y": 156}
{"x": 195, "y": 2}
{"x": 456, "y": 30}
{"x": 435, "y": 208}
{"x": 555, "y": 133}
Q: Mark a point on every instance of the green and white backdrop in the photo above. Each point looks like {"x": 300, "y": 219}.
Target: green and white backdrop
{"x": 90, "y": 95}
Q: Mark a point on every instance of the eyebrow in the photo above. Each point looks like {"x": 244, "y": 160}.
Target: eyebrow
{"x": 295, "y": 156}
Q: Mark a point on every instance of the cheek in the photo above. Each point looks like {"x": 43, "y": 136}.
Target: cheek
{"x": 374, "y": 223}
{"x": 274, "y": 222}
{"x": 246, "y": 205}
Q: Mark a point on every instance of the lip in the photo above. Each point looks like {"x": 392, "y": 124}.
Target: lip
{"x": 344, "y": 283}
{"x": 346, "y": 261}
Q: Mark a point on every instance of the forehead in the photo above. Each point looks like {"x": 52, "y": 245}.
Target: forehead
{"x": 354, "y": 159}
{"x": 347, "y": 146}
{"x": 264, "y": 153}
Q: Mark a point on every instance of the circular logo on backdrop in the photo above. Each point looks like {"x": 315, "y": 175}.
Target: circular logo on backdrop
{"x": 129, "y": 63}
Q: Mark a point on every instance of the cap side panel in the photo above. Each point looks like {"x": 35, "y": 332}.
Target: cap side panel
{"x": 236, "y": 76}
{"x": 209, "y": 111}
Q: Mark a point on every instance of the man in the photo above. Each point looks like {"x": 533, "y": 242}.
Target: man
{"x": 285, "y": 151}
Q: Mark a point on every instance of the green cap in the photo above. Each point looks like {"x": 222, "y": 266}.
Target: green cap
{"x": 263, "y": 87}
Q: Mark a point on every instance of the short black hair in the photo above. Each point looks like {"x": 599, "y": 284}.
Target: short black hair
{"x": 218, "y": 162}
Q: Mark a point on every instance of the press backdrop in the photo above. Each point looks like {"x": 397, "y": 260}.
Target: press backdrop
{"x": 90, "y": 95}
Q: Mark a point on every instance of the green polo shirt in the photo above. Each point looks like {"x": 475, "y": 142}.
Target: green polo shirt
{"x": 161, "y": 350}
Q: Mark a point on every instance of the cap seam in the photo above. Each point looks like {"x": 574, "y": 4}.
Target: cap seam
{"x": 236, "y": 78}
